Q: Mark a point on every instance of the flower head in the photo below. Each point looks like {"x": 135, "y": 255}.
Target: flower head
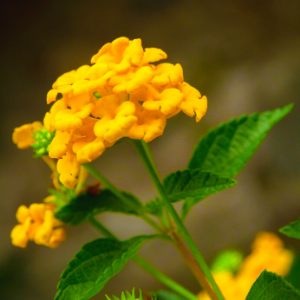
{"x": 122, "y": 94}
{"x": 268, "y": 253}
{"x": 38, "y": 224}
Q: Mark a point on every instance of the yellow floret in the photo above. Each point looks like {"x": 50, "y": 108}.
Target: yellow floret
{"x": 268, "y": 253}
{"x": 38, "y": 224}
{"x": 22, "y": 136}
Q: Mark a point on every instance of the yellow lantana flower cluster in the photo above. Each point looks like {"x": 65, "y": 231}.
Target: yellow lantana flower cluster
{"x": 268, "y": 253}
{"x": 122, "y": 94}
{"x": 38, "y": 224}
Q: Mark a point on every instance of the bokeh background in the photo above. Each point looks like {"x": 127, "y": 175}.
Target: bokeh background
{"x": 244, "y": 55}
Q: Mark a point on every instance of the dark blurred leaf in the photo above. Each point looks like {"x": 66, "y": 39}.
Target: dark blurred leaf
{"x": 226, "y": 149}
{"x": 294, "y": 276}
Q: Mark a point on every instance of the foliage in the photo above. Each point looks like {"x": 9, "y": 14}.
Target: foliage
{"x": 94, "y": 265}
{"x": 229, "y": 260}
{"x": 292, "y": 230}
{"x": 270, "y": 286}
{"x": 226, "y": 149}
{"x": 294, "y": 275}
{"x": 86, "y": 205}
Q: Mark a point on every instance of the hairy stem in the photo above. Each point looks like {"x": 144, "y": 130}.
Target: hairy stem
{"x": 192, "y": 263}
{"x": 144, "y": 152}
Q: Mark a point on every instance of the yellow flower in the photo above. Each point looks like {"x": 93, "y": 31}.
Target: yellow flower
{"x": 137, "y": 97}
{"x": 38, "y": 224}
{"x": 22, "y": 136}
{"x": 268, "y": 253}
{"x": 68, "y": 168}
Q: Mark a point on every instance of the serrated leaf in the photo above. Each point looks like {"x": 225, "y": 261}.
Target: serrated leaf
{"x": 94, "y": 265}
{"x": 193, "y": 186}
{"x": 154, "y": 207}
{"x": 292, "y": 230}
{"x": 270, "y": 286}
{"x": 226, "y": 149}
{"x": 85, "y": 205}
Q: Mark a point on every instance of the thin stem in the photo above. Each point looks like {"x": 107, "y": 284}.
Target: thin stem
{"x": 118, "y": 194}
{"x": 160, "y": 276}
{"x": 164, "y": 278}
{"x": 101, "y": 228}
{"x": 50, "y": 163}
{"x": 83, "y": 174}
{"x": 191, "y": 262}
{"x": 140, "y": 147}
{"x": 149, "y": 155}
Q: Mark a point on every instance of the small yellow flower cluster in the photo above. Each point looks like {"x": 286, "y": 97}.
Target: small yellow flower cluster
{"x": 22, "y": 136}
{"x": 38, "y": 224}
{"x": 268, "y": 253}
{"x": 121, "y": 95}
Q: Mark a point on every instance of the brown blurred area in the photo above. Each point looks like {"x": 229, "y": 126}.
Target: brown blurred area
{"x": 244, "y": 55}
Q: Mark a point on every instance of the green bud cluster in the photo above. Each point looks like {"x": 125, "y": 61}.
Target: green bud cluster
{"x": 97, "y": 95}
{"x": 43, "y": 139}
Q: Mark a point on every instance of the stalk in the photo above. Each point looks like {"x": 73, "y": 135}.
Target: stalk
{"x": 144, "y": 152}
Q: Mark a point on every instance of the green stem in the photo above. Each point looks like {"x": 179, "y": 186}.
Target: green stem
{"x": 164, "y": 278}
{"x": 160, "y": 276}
{"x": 101, "y": 228}
{"x": 149, "y": 155}
{"x": 141, "y": 147}
{"x": 120, "y": 195}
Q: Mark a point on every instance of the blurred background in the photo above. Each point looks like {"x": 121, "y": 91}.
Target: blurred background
{"x": 243, "y": 55}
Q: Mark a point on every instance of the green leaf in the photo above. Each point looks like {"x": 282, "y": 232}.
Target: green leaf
{"x": 270, "y": 286}
{"x": 85, "y": 205}
{"x": 194, "y": 183}
{"x": 166, "y": 295}
{"x": 294, "y": 275}
{"x": 94, "y": 265}
{"x": 228, "y": 260}
{"x": 193, "y": 186}
{"x": 292, "y": 230}
{"x": 154, "y": 207}
{"x": 226, "y": 149}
